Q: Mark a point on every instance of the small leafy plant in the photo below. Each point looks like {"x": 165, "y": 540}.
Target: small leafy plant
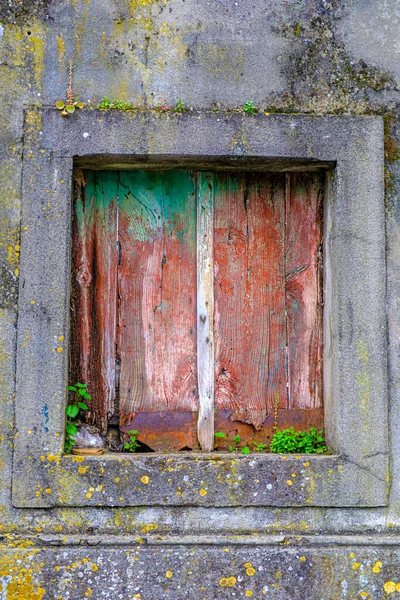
{"x": 302, "y": 442}
{"x": 68, "y": 108}
{"x": 132, "y": 444}
{"x": 72, "y": 412}
{"x": 259, "y": 447}
{"x": 249, "y": 107}
{"x": 236, "y": 439}
{"x": 180, "y": 105}
{"x": 107, "y": 104}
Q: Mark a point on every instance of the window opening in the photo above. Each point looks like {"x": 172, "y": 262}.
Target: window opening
{"x": 197, "y": 303}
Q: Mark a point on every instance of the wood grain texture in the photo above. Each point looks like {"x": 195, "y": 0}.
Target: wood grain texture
{"x": 94, "y": 294}
{"x": 303, "y": 273}
{"x": 250, "y": 327}
{"x": 175, "y": 309}
{"x": 157, "y": 293}
{"x": 205, "y": 310}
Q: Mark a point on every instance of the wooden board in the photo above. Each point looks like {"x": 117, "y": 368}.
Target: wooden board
{"x": 157, "y": 294}
{"x": 303, "y": 274}
{"x": 250, "y": 327}
{"x": 94, "y": 291}
{"x": 205, "y": 309}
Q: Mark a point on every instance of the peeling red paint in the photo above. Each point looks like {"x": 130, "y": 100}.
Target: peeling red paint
{"x": 250, "y": 328}
{"x": 94, "y": 294}
{"x": 303, "y": 272}
{"x": 157, "y": 295}
{"x": 134, "y": 301}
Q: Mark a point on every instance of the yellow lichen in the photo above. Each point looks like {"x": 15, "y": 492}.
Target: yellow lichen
{"x": 168, "y": 574}
{"x": 376, "y": 569}
{"x": 389, "y": 587}
{"x": 250, "y": 571}
{"x": 20, "y": 567}
{"x": 231, "y": 581}
{"x": 150, "y": 527}
{"x": 203, "y": 492}
{"x": 61, "y": 51}
{"x": 145, "y": 479}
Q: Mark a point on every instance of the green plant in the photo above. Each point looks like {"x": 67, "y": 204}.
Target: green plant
{"x": 72, "y": 412}
{"x": 133, "y": 444}
{"x": 68, "y": 107}
{"x": 180, "y": 105}
{"x": 302, "y": 442}
{"x": 236, "y": 439}
{"x": 107, "y": 104}
{"x": 249, "y": 107}
{"x": 259, "y": 447}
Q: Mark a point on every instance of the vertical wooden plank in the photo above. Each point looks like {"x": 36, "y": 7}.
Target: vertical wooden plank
{"x": 95, "y": 290}
{"x": 250, "y": 328}
{"x": 157, "y": 291}
{"x": 303, "y": 272}
{"x": 205, "y": 311}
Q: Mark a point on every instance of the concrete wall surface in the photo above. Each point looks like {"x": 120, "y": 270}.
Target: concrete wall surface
{"x": 318, "y": 57}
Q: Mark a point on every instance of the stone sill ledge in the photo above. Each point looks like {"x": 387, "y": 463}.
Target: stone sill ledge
{"x": 196, "y": 480}
{"x": 298, "y": 541}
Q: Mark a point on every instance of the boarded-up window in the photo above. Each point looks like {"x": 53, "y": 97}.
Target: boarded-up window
{"x": 197, "y": 297}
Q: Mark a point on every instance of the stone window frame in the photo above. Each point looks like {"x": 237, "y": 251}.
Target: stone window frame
{"x": 350, "y": 149}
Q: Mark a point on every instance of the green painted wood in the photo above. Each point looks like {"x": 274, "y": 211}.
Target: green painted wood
{"x": 157, "y": 306}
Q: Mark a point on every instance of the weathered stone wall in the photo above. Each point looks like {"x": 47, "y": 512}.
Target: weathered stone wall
{"x": 312, "y": 56}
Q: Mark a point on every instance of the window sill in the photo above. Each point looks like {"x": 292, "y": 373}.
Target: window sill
{"x": 198, "y": 480}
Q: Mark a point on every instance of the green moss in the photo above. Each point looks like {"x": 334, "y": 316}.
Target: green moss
{"x": 297, "y": 29}
{"x": 391, "y": 147}
{"x": 322, "y": 77}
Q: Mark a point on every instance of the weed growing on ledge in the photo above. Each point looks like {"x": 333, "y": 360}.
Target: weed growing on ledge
{"x": 236, "y": 439}
{"x": 180, "y": 105}
{"x": 133, "y": 444}
{"x": 72, "y": 412}
{"x": 259, "y": 447}
{"x": 68, "y": 107}
{"x": 107, "y": 104}
{"x": 249, "y": 107}
{"x": 301, "y": 442}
